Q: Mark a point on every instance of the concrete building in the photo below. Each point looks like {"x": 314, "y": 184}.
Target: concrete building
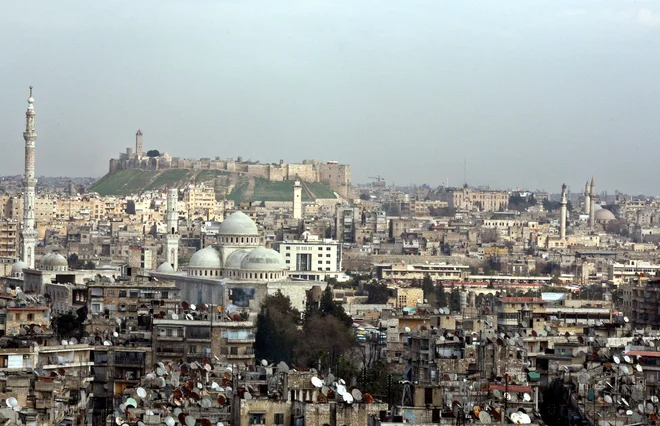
{"x": 473, "y": 199}
{"x": 9, "y": 238}
{"x": 311, "y": 260}
{"x": 437, "y": 272}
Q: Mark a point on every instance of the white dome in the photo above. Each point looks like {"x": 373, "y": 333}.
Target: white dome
{"x": 58, "y": 260}
{"x": 263, "y": 259}
{"x": 45, "y": 260}
{"x": 234, "y": 260}
{"x": 17, "y": 268}
{"x": 238, "y": 223}
{"x": 207, "y": 258}
{"x": 604, "y": 214}
{"x": 165, "y": 268}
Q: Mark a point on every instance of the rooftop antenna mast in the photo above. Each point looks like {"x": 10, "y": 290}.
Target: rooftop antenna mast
{"x": 465, "y": 171}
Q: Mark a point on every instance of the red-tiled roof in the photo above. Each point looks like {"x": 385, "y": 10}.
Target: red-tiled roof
{"x": 652, "y": 354}
{"x": 511, "y": 388}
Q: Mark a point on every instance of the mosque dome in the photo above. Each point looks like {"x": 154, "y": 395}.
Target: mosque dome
{"x": 263, "y": 259}
{"x": 45, "y": 260}
{"x": 165, "y": 268}
{"x": 234, "y": 260}
{"x": 57, "y": 260}
{"x": 207, "y": 258}
{"x": 604, "y": 215}
{"x": 17, "y": 268}
{"x": 238, "y": 223}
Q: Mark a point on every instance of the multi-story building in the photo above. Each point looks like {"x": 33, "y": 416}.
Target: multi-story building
{"x": 199, "y": 198}
{"x": 437, "y": 272}
{"x": 474, "y": 199}
{"x": 9, "y": 238}
{"x": 311, "y": 260}
{"x": 347, "y": 220}
{"x": 619, "y": 273}
{"x": 641, "y": 303}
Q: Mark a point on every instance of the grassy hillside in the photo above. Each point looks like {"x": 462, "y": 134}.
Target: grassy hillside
{"x": 265, "y": 190}
{"x": 127, "y": 182}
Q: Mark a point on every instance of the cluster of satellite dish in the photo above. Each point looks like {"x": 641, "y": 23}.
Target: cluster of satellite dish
{"x": 178, "y": 391}
{"x": 331, "y": 388}
{"x": 491, "y": 414}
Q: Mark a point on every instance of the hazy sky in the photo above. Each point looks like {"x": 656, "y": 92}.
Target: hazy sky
{"x": 532, "y": 93}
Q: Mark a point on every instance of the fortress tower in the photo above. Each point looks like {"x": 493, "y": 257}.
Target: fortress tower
{"x": 138, "y": 144}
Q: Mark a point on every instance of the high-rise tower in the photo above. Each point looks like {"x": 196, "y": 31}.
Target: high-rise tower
{"x": 297, "y": 200}
{"x": 138, "y": 144}
{"x": 29, "y": 232}
{"x": 172, "y": 220}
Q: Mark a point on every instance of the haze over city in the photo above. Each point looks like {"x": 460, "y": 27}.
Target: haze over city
{"x": 531, "y": 94}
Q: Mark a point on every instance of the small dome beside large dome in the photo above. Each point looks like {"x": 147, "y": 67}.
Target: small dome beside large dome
{"x": 263, "y": 259}
{"x": 165, "y": 268}
{"x": 207, "y": 258}
{"x": 17, "y": 268}
{"x": 234, "y": 260}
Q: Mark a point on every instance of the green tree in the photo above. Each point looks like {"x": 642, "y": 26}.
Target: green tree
{"x": 440, "y": 295}
{"x": 153, "y": 153}
{"x": 455, "y": 299}
{"x": 377, "y": 293}
{"x": 277, "y": 329}
{"x": 329, "y": 307}
{"x": 429, "y": 290}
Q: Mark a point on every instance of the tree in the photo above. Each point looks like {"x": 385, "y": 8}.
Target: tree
{"x": 70, "y": 324}
{"x": 328, "y": 307}
{"x": 429, "y": 290}
{"x": 377, "y": 293}
{"x": 440, "y": 295}
{"x": 325, "y": 339}
{"x": 153, "y": 153}
{"x": 365, "y": 196}
{"x": 455, "y": 299}
{"x": 277, "y": 329}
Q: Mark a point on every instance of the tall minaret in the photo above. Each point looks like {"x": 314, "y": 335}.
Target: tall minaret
{"x": 172, "y": 238}
{"x": 562, "y": 223}
{"x": 587, "y": 198}
{"x": 29, "y": 233}
{"x": 592, "y": 200}
{"x": 138, "y": 144}
{"x": 297, "y": 200}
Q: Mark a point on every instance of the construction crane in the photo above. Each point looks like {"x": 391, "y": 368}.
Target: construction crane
{"x": 378, "y": 178}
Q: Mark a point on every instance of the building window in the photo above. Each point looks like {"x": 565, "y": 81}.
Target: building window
{"x": 278, "y": 419}
{"x": 30, "y": 317}
{"x": 111, "y": 293}
{"x": 18, "y": 316}
{"x": 122, "y": 293}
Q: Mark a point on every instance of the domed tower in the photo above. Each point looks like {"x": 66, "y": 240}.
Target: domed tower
{"x": 237, "y": 232}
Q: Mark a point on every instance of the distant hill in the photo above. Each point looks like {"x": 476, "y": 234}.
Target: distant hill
{"x": 234, "y": 186}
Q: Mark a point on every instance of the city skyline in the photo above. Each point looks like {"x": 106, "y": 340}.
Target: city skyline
{"x": 374, "y": 88}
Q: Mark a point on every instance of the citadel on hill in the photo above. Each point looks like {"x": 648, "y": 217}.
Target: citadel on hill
{"x": 336, "y": 176}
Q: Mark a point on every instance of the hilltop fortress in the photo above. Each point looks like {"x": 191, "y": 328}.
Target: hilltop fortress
{"x": 331, "y": 173}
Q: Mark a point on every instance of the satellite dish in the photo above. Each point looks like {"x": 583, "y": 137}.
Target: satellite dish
{"x": 507, "y": 395}
{"x": 625, "y": 319}
{"x": 527, "y": 397}
{"x": 639, "y": 368}
{"x": 11, "y": 402}
{"x": 130, "y": 402}
{"x": 192, "y": 307}
{"x": 497, "y": 393}
{"x": 406, "y": 329}
{"x": 625, "y": 402}
{"x": 64, "y": 342}
{"x": 317, "y": 382}
{"x": 525, "y": 419}
{"x": 141, "y": 392}
{"x": 341, "y": 389}
{"x": 115, "y": 334}
{"x": 357, "y": 395}
{"x": 107, "y": 343}
{"x": 247, "y": 395}
{"x": 189, "y": 317}
{"x": 627, "y": 359}
{"x": 264, "y": 362}
{"x": 654, "y": 399}
{"x": 484, "y": 418}
{"x": 190, "y": 421}
{"x": 325, "y": 390}
{"x": 616, "y": 359}
{"x": 515, "y": 418}
{"x": 175, "y": 317}
{"x": 347, "y": 397}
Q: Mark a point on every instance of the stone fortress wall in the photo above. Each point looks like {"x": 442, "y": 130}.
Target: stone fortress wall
{"x": 334, "y": 175}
